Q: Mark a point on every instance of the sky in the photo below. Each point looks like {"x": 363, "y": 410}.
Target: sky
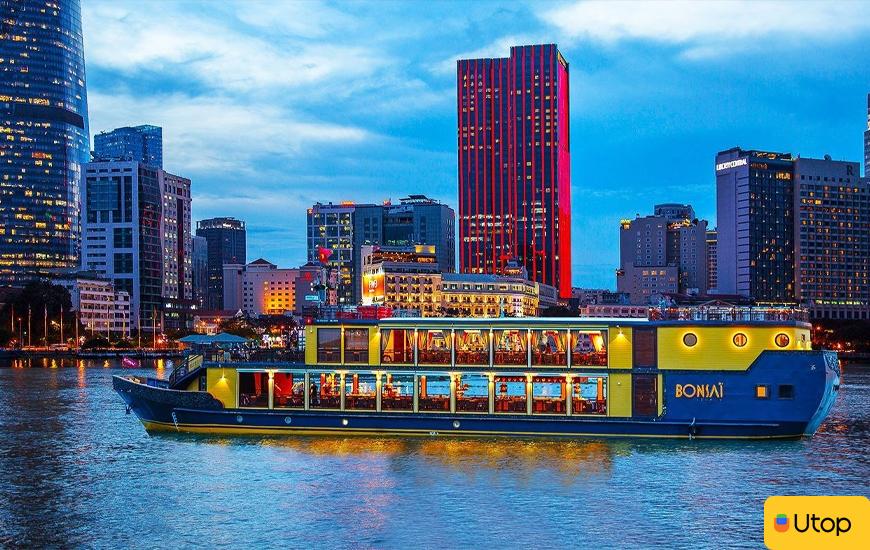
{"x": 269, "y": 107}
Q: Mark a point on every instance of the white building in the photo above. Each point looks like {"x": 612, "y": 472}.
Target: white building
{"x": 100, "y": 308}
{"x": 259, "y": 288}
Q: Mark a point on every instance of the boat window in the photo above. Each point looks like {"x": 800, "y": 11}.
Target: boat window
{"x": 510, "y": 347}
{"x": 589, "y": 395}
{"x": 324, "y": 391}
{"x": 397, "y": 392}
{"x": 433, "y": 347}
{"x": 761, "y": 391}
{"x": 782, "y": 340}
{"x": 360, "y": 391}
{"x": 253, "y": 389}
{"x": 548, "y": 348}
{"x": 289, "y": 390}
{"x": 434, "y": 392}
{"x": 356, "y": 345}
{"x": 510, "y": 394}
{"x": 549, "y": 395}
{"x": 472, "y": 347}
{"x": 397, "y": 346}
{"x": 589, "y": 348}
{"x": 328, "y": 345}
{"x": 785, "y": 391}
{"x": 472, "y": 393}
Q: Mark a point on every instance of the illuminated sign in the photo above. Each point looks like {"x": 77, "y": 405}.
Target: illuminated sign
{"x": 730, "y": 164}
{"x": 691, "y": 391}
{"x": 373, "y": 289}
{"x": 311, "y": 297}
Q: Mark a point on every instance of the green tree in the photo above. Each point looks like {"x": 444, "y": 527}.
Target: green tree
{"x": 42, "y": 303}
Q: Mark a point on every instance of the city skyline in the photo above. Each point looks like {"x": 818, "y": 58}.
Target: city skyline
{"x": 641, "y": 102}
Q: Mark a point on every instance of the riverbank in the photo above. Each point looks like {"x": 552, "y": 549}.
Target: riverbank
{"x": 13, "y": 354}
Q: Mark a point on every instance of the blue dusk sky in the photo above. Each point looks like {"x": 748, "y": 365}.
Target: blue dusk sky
{"x": 271, "y": 106}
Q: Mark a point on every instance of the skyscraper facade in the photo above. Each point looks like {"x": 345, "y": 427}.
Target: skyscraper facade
{"x": 140, "y": 143}
{"x": 514, "y": 164}
{"x": 226, "y": 244}
{"x": 344, "y": 229}
{"x": 832, "y": 238}
{"x": 122, "y": 204}
{"x": 867, "y": 142}
{"x": 755, "y": 233}
{"x": 177, "y": 236}
{"x": 200, "y": 269}
{"x": 44, "y": 127}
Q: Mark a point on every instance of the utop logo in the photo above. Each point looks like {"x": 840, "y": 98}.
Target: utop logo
{"x": 814, "y": 522}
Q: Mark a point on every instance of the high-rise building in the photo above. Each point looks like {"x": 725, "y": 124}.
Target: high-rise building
{"x": 711, "y": 262}
{"x": 122, "y": 210}
{"x": 137, "y": 234}
{"x": 226, "y": 238}
{"x": 755, "y": 218}
{"x": 200, "y": 270}
{"x": 177, "y": 250}
{"x": 344, "y": 229}
{"x": 44, "y": 127}
{"x": 832, "y": 239}
{"x": 99, "y": 307}
{"x": 664, "y": 253}
{"x": 514, "y": 164}
{"x": 139, "y": 143}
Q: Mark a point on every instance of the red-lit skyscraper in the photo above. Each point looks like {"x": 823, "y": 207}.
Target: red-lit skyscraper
{"x": 514, "y": 164}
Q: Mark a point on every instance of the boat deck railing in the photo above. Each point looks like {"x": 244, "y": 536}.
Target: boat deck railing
{"x": 730, "y": 313}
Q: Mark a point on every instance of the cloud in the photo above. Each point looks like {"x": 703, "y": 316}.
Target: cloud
{"x": 710, "y": 28}
{"x": 497, "y": 48}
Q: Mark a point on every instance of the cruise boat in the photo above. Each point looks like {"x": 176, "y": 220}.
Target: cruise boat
{"x": 548, "y": 377}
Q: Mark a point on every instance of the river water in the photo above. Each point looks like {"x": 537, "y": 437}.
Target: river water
{"x": 75, "y": 471}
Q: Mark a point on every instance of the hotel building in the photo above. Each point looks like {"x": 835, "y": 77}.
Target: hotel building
{"x": 344, "y": 229}
{"x": 259, "y": 288}
{"x": 755, "y": 233}
{"x": 867, "y": 142}
{"x": 140, "y": 143}
{"x": 43, "y": 138}
{"x": 711, "y": 262}
{"x": 404, "y": 279}
{"x": 225, "y": 244}
{"x": 832, "y": 240}
{"x": 664, "y": 253}
{"x": 514, "y": 164}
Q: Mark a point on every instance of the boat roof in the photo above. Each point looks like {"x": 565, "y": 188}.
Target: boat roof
{"x": 557, "y": 321}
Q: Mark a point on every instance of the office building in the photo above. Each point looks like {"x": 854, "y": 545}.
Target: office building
{"x": 44, "y": 141}
{"x": 711, "y": 261}
{"x": 199, "y": 259}
{"x": 259, "y": 288}
{"x": 177, "y": 236}
{"x": 337, "y": 234}
{"x": 405, "y": 279}
{"x": 122, "y": 203}
{"x": 137, "y": 234}
{"x": 226, "y": 244}
{"x": 99, "y": 307}
{"x": 485, "y": 295}
{"x": 581, "y": 297}
{"x": 832, "y": 238}
{"x": 755, "y": 218}
{"x": 514, "y": 164}
{"x": 138, "y": 143}
{"x": 665, "y": 253}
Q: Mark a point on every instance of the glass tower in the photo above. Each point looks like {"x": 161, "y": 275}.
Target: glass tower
{"x": 226, "y": 243}
{"x": 514, "y": 164}
{"x": 139, "y": 143}
{"x": 43, "y": 136}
